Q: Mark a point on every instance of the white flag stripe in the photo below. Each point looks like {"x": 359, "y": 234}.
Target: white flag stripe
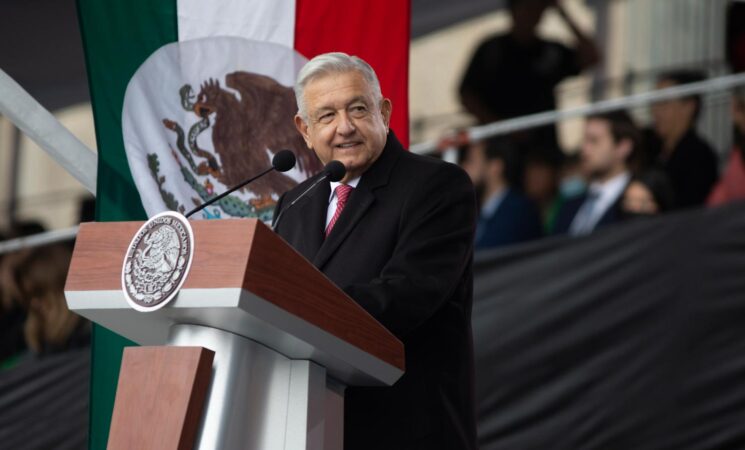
{"x": 166, "y": 137}
{"x": 261, "y": 20}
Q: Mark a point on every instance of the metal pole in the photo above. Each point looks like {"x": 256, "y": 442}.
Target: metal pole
{"x": 38, "y": 240}
{"x": 549, "y": 117}
{"x": 40, "y": 125}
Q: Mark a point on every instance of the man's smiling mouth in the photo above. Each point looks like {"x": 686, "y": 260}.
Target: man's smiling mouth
{"x": 348, "y": 145}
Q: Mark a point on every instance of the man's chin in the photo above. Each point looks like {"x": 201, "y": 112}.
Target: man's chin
{"x": 349, "y": 163}
{"x": 354, "y": 170}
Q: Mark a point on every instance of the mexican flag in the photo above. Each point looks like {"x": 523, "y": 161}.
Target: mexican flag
{"x": 190, "y": 95}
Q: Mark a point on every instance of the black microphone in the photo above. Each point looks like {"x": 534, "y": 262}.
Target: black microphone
{"x": 333, "y": 171}
{"x": 282, "y": 161}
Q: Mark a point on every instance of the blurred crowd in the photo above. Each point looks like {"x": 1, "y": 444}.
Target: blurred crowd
{"x": 34, "y": 319}
{"x": 529, "y": 187}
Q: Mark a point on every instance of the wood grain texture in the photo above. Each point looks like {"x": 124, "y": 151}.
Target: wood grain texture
{"x": 99, "y": 254}
{"x": 241, "y": 253}
{"x": 160, "y": 397}
{"x": 221, "y": 249}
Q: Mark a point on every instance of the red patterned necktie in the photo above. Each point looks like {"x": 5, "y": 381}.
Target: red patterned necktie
{"x": 342, "y": 194}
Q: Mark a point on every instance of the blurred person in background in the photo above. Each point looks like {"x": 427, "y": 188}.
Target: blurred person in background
{"x": 609, "y": 145}
{"x": 572, "y": 180}
{"x": 50, "y": 326}
{"x": 33, "y": 282}
{"x": 648, "y": 193}
{"x": 674, "y": 144}
{"x": 735, "y": 35}
{"x": 731, "y": 186}
{"x": 541, "y": 182}
{"x": 471, "y": 158}
{"x": 12, "y": 314}
{"x": 514, "y": 74}
{"x": 506, "y": 216}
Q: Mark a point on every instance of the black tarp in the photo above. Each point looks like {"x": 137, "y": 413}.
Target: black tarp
{"x": 44, "y": 402}
{"x": 631, "y": 338}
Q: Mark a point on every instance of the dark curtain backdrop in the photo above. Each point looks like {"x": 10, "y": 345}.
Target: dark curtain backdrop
{"x": 44, "y": 403}
{"x": 632, "y": 338}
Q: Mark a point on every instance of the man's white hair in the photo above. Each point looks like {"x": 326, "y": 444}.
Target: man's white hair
{"x": 331, "y": 63}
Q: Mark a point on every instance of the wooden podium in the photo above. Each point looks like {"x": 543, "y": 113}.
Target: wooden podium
{"x": 286, "y": 343}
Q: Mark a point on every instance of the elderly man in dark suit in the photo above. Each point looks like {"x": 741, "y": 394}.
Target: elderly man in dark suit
{"x": 397, "y": 235}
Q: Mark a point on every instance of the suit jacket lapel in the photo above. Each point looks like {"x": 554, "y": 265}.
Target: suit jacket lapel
{"x": 360, "y": 201}
{"x": 313, "y": 214}
{"x": 612, "y": 213}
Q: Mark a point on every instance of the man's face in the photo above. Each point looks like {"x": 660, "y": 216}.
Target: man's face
{"x": 639, "y": 199}
{"x": 527, "y": 14}
{"x": 539, "y": 181}
{"x": 345, "y": 121}
{"x": 474, "y": 162}
{"x": 600, "y": 154}
{"x": 670, "y": 114}
{"x": 738, "y": 113}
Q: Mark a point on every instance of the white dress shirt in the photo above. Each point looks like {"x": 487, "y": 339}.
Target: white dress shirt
{"x": 333, "y": 200}
{"x": 600, "y": 198}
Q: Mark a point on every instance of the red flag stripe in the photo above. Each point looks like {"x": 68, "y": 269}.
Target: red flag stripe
{"x": 376, "y": 31}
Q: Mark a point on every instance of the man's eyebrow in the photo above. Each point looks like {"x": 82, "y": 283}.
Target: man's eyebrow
{"x": 328, "y": 108}
{"x": 359, "y": 98}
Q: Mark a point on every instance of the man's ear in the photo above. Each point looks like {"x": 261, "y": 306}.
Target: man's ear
{"x": 386, "y": 107}
{"x": 495, "y": 168}
{"x": 738, "y": 113}
{"x": 302, "y": 127}
{"x": 689, "y": 106}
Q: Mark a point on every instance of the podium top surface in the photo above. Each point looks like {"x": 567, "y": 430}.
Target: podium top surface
{"x": 246, "y": 280}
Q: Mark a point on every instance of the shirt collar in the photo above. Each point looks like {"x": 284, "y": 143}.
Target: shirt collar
{"x": 492, "y": 203}
{"x": 353, "y": 182}
{"x": 612, "y": 188}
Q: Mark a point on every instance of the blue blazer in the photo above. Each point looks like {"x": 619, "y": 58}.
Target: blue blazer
{"x": 515, "y": 220}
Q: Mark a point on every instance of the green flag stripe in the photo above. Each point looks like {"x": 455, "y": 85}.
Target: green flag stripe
{"x": 118, "y": 35}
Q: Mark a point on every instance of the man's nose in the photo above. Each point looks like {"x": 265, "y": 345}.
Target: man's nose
{"x": 345, "y": 126}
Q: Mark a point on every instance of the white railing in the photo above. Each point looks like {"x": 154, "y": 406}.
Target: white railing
{"x": 68, "y": 154}
{"x": 622, "y": 103}
{"x": 37, "y": 240}
{"x": 41, "y": 127}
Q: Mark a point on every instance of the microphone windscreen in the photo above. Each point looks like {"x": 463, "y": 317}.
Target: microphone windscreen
{"x": 283, "y": 161}
{"x": 335, "y": 170}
